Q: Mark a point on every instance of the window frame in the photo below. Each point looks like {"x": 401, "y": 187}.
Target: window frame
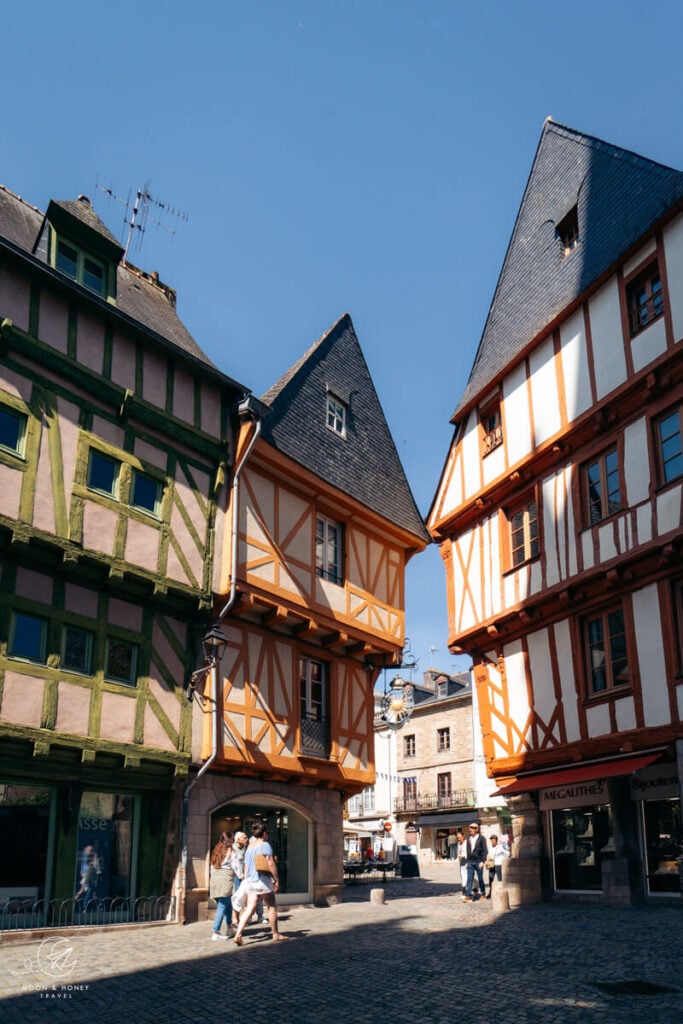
{"x": 336, "y": 414}
{"x": 523, "y": 506}
{"x": 42, "y": 643}
{"x": 89, "y": 648}
{"x": 567, "y": 231}
{"x": 491, "y": 425}
{"x": 140, "y": 474}
{"x": 662, "y": 480}
{"x": 603, "y": 616}
{"x": 443, "y": 739}
{"x": 132, "y": 679}
{"x": 80, "y": 273}
{"x": 604, "y": 474}
{"x": 641, "y": 314}
{"x": 444, "y": 792}
{"x": 409, "y": 745}
{"x": 115, "y": 493}
{"x": 18, "y": 451}
{"x": 335, "y": 575}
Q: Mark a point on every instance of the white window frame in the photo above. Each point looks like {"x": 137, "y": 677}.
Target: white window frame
{"x": 329, "y": 534}
{"x": 335, "y": 415}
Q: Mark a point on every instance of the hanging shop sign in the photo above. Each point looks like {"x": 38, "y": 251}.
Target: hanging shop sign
{"x": 573, "y": 794}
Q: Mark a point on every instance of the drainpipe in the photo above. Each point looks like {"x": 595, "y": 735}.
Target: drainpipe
{"x": 245, "y": 410}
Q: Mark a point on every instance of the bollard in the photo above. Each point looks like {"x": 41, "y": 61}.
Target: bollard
{"x": 500, "y": 901}
{"x": 377, "y": 895}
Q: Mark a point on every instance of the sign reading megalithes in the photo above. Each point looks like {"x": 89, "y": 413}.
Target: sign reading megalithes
{"x": 573, "y": 794}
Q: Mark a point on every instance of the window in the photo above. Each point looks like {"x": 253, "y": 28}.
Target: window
{"x": 524, "y": 539}
{"x": 121, "y": 661}
{"x": 77, "y": 649}
{"x": 443, "y": 739}
{"x": 328, "y": 549}
{"x": 368, "y": 799}
{"x": 145, "y": 493}
{"x": 315, "y": 739}
{"x": 103, "y": 473}
{"x": 443, "y": 787}
{"x": 601, "y": 481}
{"x": 669, "y": 448}
{"x": 409, "y": 746}
{"x": 492, "y": 426}
{"x": 410, "y": 790}
{"x": 442, "y": 688}
{"x": 12, "y": 430}
{"x": 606, "y": 649}
{"x": 644, "y": 299}
{"x": 336, "y": 414}
{"x": 568, "y": 231}
{"x": 81, "y": 267}
{"x": 28, "y": 637}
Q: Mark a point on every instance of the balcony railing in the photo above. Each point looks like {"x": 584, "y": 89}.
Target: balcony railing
{"x": 315, "y": 737}
{"x": 459, "y": 799}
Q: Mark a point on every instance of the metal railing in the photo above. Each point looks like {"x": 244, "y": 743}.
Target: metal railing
{"x": 458, "y": 799}
{"x": 315, "y": 737}
{"x": 20, "y": 913}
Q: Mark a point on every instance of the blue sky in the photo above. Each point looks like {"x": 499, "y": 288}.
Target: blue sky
{"x": 361, "y": 156}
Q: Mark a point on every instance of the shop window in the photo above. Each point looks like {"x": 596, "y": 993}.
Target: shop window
{"x": 602, "y": 487}
{"x": 524, "y": 541}
{"x": 328, "y": 550}
{"x": 145, "y": 493}
{"x": 315, "y": 737}
{"x": 644, "y": 299}
{"x": 288, "y": 834}
{"x": 663, "y": 838}
{"x": 28, "y": 637}
{"x": 77, "y": 647}
{"x": 443, "y": 739}
{"x": 409, "y": 746}
{"x": 103, "y": 473}
{"x": 121, "y": 663}
{"x": 606, "y": 651}
{"x": 669, "y": 447}
{"x": 24, "y": 829}
{"x": 12, "y": 430}
{"x": 105, "y": 849}
{"x": 582, "y": 837}
{"x": 336, "y": 415}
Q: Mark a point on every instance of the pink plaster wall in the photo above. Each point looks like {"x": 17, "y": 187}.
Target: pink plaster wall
{"x": 123, "y": 361}
{"x": 14, "y": 384}
{"x": 142, "y": 545}
{"x": 211, "y": 410}
{"x": 150, "y": 453}
{"x": 108, "y": 431}
{"x": 69, "y": 433}
{"x": 154, "y": 379}
{"x": 118, "y": 717}
{"x": 35, "y": 586}
{"x": 99, "y": 526}
{"x": 73, "y": 709}
{"x": 80, "y": 601}
{"x": 10, "y": 490}
{"x": 175, "y": 570}
{"x": 125, "y": 614}
{"x": 187, "y": 544}
{"x": 22, "y": 700}
{"x": 183, "y": 395}
{"x": 14, "y": 298}
{"x": 44, "y": 504}
{"x": 54, "y": 320}
{"x": 90, "y": 341}
{"x": 155, "y": 734}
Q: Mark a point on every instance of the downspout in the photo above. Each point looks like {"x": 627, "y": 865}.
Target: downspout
{"x": 245, "y": 411}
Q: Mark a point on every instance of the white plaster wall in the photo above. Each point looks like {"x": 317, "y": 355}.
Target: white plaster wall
{"x": 565, "y": 660}
{"x": 648, "y": 344}
{"x": 644, "y": 520}
{"x": 669, "y": 510}
{"x": 516, "y": 421}
{"x": 673, "y": 248}
{"x": 516, "y": 684}
{"x": 648, "y": 631}
{"x": 587, "y": 549}
{"x": 597, "y": 719}
{"x": 609, "y": 359}
{"x": 493, "y": 464}
{"x": 608, "y": 548}
{"x": 544, "y": 392}
{"x": 626, "y": 714}
{"x": 574, "y": 361}
{"x": 541, "y": 674}
{"x": 551, "y": 530}
{"x": 636, "y": 465}
{"x": 639, "y": 257}
{"x": 471, "y": 456}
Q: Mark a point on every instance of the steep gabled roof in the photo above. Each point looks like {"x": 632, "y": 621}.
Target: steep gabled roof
{"x": 619, "y": 196}
{"x": 364, "y": 464}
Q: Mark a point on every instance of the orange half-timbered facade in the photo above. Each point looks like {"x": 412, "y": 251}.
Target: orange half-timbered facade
{"x": 559, "y": 515}
{"x": 310, "y": 564}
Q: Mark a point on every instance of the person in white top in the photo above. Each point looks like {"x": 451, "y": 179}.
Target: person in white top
{"x": 494, "y": 862}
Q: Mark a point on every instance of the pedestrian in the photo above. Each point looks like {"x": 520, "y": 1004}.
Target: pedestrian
{"x": 452, "y": 846}
{"x": 239, "y": 896}
{"x": 262, "y": 881}
{"x": 462, "y": 859}
{"x": 477, "y": 852}
{"x": 88, "y": 879}
{"x": 222, "y": 884}
{"x": 494, "y": 863}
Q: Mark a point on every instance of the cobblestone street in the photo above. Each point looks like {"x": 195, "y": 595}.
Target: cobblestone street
{"x": 424, "y": 954}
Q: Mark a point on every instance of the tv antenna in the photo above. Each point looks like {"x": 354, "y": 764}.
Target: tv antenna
{"x": 138, "y": 216}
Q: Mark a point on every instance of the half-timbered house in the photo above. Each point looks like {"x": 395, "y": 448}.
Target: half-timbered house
{"x": 310, "y": 582}
{"x": 116, "y": 440}
{"x": 559, "y": 517}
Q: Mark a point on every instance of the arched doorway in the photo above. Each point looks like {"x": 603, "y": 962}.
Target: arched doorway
{"x": 289, "y": 833}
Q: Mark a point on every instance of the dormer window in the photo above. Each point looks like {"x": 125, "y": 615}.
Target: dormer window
{"x": 491, "y": 425}
{"x": 568, "y": 231}
{"x": 80, "y": 266}
{"x": 336, "y": 414}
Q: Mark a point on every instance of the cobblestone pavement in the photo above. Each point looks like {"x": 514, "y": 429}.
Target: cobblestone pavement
{"x": 423, "y": 955}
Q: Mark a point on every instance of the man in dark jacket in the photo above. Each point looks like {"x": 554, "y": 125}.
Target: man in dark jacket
{"x": 477, "y": 851}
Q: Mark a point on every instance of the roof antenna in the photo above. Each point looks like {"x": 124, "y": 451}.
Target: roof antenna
{"x": 137, "y": 213}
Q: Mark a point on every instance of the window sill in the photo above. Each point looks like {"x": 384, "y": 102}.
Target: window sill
{"x": 605, "y": 696}
{"x": 520, "y": 565}
{"x": 644, "y": 327}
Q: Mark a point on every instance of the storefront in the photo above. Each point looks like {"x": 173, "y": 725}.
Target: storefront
{"x": 437, "y": 834}
{"x": 656, "y": 790}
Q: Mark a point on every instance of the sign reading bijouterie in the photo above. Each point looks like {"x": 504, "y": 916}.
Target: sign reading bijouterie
{"x": 656, "y": 782}
{"x": 573, "y": 794}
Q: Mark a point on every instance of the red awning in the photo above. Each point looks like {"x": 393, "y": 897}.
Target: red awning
{"x": 579, "y": 773}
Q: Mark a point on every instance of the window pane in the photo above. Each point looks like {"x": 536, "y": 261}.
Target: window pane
{"x": 121, "y": 661}
{"x": 596, "y": 652}
{"x": 11, "y": 430}
{"x": 93, "y": 275}
{"x": 670, "y": 446}
{"x": 617, "y": 637}
{"x": 77, "y": 648}
{"x": 28, "y": 637}
{"x": 145, "y": 493}
{"x": 103, "y": 473}
{"x": 67, "y": 259}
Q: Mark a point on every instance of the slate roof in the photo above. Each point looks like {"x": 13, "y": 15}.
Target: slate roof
{"x": 145, "y": 300}
{"x": 365, "y": 464}
{"x": 619, "y": 195}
